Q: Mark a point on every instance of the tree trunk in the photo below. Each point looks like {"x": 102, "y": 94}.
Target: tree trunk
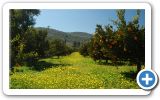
{"x": 106, "y": 61}
{"x": 138, "y": 66}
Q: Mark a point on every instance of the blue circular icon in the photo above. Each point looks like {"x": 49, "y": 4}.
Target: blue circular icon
{"x": 147, "y": 79}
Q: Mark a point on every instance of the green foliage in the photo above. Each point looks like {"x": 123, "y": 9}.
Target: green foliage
{"x": 27, "y": 43}
{"x": 21, "y": 20}
{"x": 102, "y": 43}
{"x": 14, "y": 49}
{"x": 58, "y": 48}
{"x": 35, "y": 40}
{"x": 84, "y": 49}
{"x": 20, "y": 69}
{"x": 77, "y": 72}
{"x": 126, "y": 43}
{"x": 133, "y": 40}
{"x": 42, "y": 43}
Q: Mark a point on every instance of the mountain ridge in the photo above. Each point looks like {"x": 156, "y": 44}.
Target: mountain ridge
{"x": 71, "y": 38}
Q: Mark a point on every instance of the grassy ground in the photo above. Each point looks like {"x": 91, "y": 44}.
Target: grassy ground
{"x": 75, "y": 72}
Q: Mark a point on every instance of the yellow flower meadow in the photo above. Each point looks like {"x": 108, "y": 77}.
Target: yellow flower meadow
{"x": 74, "y": 72}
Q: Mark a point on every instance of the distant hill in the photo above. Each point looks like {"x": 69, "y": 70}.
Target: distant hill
{"x": 71, "y": 38}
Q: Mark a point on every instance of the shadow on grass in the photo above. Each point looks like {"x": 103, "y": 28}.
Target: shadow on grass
{"x": 130, "y": 75}
{"x": 118, "y": 63}
{"x": 42, "y": 65}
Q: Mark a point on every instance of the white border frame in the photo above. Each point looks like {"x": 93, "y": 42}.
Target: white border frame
{"x": 8, "y": 6}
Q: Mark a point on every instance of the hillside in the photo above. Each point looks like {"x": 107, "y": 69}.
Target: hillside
{"x": 69, "y": 37}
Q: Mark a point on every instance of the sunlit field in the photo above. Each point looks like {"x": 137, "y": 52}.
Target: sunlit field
{"x": 73, "y": 72}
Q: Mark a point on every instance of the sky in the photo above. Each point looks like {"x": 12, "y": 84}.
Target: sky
{"x": 81, "y": 20}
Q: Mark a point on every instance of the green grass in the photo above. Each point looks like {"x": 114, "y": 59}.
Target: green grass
{"x": 75, "y": 72}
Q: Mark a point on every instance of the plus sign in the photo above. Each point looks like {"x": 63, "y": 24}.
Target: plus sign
{"x": 147, "y": 79}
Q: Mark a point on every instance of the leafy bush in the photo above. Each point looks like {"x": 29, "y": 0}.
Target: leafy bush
{"x": 20, "y": 69}
{"x": 84, "y": 49}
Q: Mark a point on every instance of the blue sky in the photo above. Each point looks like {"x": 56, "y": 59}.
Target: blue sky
{"x": 81, "y": 20}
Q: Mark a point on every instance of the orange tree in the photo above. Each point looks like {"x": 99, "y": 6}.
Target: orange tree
{"x": 131, "y": 39}
{"x": 125, "y": 43}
